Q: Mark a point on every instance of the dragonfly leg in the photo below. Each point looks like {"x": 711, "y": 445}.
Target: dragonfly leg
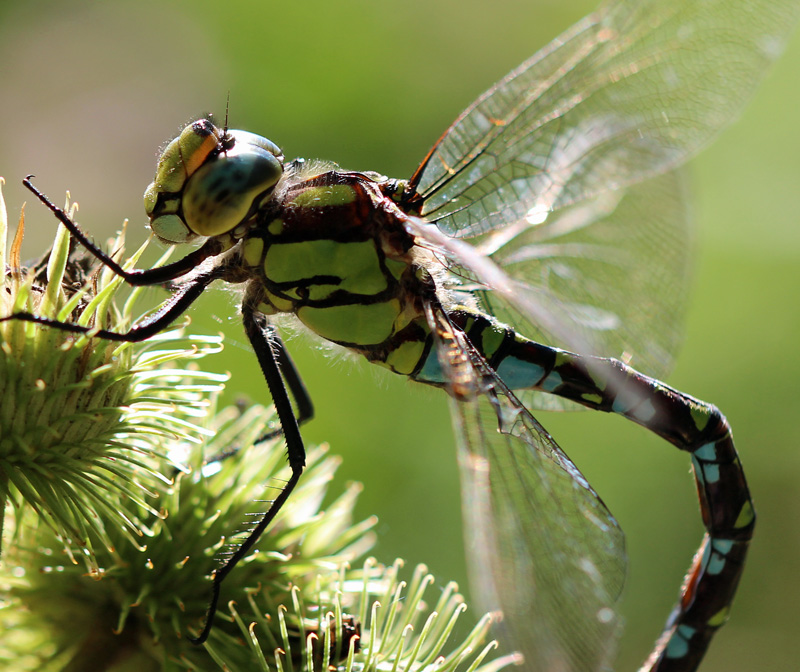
{"x": 689, "y": 424}
{"x": 263, "y": 340}
{"x": 296, "y": 387}
{"x": 160, "y": 319}
{"x": 295, "y": 384}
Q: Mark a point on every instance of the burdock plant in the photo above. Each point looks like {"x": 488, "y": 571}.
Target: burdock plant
{"x": 83, "y": 421}
{"x": 116, "y": 511}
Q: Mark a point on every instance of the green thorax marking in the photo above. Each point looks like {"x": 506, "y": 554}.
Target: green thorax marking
{"x": 334, "y": 251}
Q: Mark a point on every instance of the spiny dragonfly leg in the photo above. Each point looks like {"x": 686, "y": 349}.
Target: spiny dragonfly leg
{"x": 293, "y": 380}
{"x": 689, "y": 424}
{"x": 263, "y": 341}
{"x": 157, "y": 321}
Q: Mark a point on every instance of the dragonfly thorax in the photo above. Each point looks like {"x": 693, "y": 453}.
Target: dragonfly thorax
{"x": 333, "y": 250}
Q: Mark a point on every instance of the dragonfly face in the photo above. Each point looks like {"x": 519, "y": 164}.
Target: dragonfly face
{"x": 209, "y": 181}
{"x": 550, "y": 214}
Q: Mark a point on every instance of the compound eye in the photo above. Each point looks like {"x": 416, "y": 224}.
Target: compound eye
{"x": 226, "y": 191}
{"x": 182, "y": 157}
{"x": 208, "y": 182}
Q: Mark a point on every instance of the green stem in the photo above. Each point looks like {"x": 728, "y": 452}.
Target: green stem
{"x": 3, "y": 500}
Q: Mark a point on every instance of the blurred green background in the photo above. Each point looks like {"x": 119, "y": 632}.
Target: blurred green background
{"x": 90, "y": 91}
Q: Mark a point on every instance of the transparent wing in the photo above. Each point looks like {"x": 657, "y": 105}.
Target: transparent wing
{"x": 547, "y": 168}
{"x": 614, "y": 270}
{"x": 635, "y": 318}
{"x": 631, "y": 91}
{"x": 542, "y": 546}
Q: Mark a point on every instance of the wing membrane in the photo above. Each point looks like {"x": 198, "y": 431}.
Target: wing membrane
{"x": 629, "y": 92}
{"x": 543, "y": 547}
{"x": 548, "y": 169}
{"x": 613, "y": 273}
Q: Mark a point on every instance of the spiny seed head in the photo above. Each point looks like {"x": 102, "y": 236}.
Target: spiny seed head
{"x": 81, "y": 418}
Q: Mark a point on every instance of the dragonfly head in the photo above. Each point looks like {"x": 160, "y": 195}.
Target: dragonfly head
{"x": 209, "y": 181}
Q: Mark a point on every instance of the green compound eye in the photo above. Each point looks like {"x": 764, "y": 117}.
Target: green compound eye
{"x": 225, "y": 191}
{"x": 207, "y": 182}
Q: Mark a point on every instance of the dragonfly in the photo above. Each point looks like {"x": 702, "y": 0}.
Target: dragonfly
{"x": 535, "y": 256}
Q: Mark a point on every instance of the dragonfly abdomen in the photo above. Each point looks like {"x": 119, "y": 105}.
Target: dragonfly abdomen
{"x": 520, "y": 362}
{"x": 688, "y": 423}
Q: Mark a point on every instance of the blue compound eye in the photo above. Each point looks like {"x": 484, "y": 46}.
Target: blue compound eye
{"x": 226, "y": 190}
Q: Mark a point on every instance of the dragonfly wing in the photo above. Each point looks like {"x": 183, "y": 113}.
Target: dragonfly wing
{"x": 537, "y": 306}
{"x": 542, "y": 546}
{"x": 589, "y": 289}
{"x": 543, "y": 168}
{"x": 614, "y": 271}
{"x": 629, "y": 92}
